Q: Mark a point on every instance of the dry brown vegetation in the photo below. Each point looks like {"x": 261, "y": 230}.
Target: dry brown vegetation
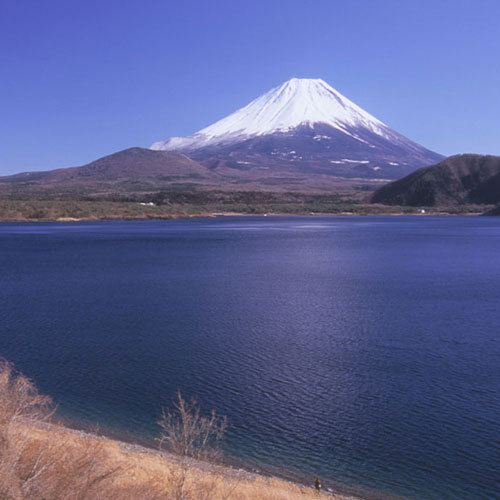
{"x": 187, "y": 433}
{"x": 34, "y": 468}
{"x": 40, "y": 460}
{"x": 186, "y": 205}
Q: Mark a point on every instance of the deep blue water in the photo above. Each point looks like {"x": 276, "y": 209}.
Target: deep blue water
{"x": 364, "y": 350}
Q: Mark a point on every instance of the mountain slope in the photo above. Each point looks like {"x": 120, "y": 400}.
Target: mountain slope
{"x": 134, "y": 168}
{"x": 493, "y": 212}
{"x": 459, "y": 179}
{"x": 296, "y": 102}
{"x": 130, "y": 163}
{"x": 303, "y": 125}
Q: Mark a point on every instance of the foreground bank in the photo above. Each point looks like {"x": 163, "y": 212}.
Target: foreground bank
{"x": 43, "y": 459}
{"x": 139, "y": 473}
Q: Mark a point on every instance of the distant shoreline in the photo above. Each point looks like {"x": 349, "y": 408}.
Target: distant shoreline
{"x": 210, "y": 215}
{"x": 216, "y": 204}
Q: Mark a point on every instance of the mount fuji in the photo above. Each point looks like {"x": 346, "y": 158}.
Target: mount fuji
{"x": 302, "y": 127}
{"x": 302, "y": 137}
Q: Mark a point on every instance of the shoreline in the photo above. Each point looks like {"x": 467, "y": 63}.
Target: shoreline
{"x": 58, "y": 210}
{"x": 239, "y": 466}
{"x": 213, "y": 215}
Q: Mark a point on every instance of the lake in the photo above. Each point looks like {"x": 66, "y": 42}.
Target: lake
{"x": 363, "y": 350}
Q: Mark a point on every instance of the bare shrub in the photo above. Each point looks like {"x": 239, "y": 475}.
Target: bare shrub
{"x": 34, "y": 467}
{"x": 79, "y": 472}
{"x": 43, "y": 461}
{"x": 20, "y": 404}
{"x": 185, "y": 432}
{"x": 190, "y": 435}
{"x": 19, "y": 399}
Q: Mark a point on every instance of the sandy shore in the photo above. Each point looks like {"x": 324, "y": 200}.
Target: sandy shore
{"x": 253, "y": 475}
{"x": 140, "y": 464}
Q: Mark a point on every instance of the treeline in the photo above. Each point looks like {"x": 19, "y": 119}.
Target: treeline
{"x": 205, "y": 198}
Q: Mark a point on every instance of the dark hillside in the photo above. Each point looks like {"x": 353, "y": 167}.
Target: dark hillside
{"x": 493, "y": 212}
{"x": 459, "y": 179}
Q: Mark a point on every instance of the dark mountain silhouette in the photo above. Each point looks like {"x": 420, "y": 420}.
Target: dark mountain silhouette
{"x": 460, "y": 179}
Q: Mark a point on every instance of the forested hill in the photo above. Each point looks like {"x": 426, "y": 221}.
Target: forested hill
{"x": 460, "y": 179}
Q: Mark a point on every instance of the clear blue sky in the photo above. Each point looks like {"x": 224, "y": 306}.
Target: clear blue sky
{"x": 81, "y": 79}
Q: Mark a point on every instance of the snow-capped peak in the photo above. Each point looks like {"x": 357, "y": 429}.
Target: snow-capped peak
{"x": 299, "y": 101}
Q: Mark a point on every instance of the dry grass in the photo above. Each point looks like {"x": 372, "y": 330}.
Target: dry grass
{"x": 264, "y": 203}
{"x": 150, "y": 475}
{"x": 32, "y": 468}
{"x": 40, "y": 460}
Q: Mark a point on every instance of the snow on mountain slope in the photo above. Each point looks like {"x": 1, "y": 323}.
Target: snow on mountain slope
{"x": 302, "y": 126}
{"x": 299, "y": 101}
